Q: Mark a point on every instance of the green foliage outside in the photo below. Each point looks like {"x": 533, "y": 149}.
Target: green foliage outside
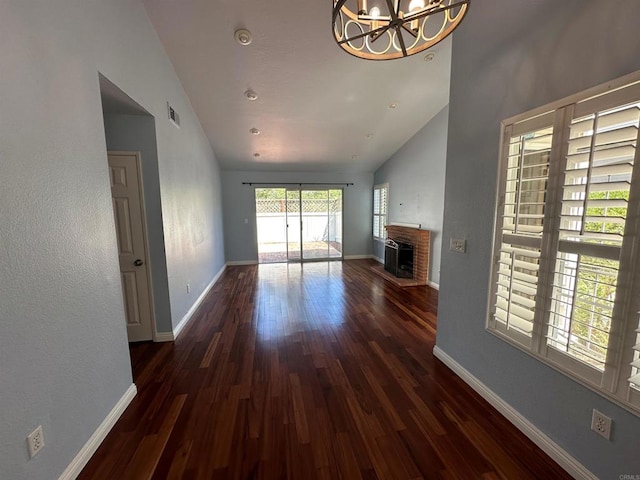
{"x": 280, "y": 200}
{"x": 621, "y": 212}
{"x": 271, "y": 193}
{"x": 596, "y": 285}
{"x": 281, "y": 194}
{"x": 593, "y": 305}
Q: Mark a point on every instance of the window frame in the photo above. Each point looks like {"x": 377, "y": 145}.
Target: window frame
{"x": 382, "y": 217}
{"x": 612, "y": 382}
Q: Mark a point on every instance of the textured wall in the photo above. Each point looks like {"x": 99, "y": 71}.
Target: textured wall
{"x": 239, "y": 204}
{"x": 416, "y": 185}
{"x": 64, "y": 361}
{"x": 542, "y": 51}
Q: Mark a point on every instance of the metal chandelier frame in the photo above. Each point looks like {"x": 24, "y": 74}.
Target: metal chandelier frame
{"x": 359, "y": 32}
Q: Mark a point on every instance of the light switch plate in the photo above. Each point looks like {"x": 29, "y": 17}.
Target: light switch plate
{"x": 458, "y": 245}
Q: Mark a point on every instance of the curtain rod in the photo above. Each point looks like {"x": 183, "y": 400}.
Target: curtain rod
{"x": 295, "y": 183}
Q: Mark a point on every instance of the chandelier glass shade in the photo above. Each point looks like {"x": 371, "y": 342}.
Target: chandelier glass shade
{"x": 388, "y": 29}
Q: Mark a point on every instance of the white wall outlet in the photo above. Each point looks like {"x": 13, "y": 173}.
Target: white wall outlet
{"x": 601, "y": 424}
{"x": 458, "y": 245}
{"x": 35, "y": 441}
{"x": 188, "y": 288}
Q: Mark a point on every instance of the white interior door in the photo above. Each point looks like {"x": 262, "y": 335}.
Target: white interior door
{"x": 126, "y": 191}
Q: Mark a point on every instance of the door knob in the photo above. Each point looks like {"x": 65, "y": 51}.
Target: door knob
{"x": 138, "y": 262}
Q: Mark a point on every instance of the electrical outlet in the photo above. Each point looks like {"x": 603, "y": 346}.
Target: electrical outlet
{"x": 35, "y": 441}
{"x": 188, "y": 288}
{"x": 458, "y": 245}
{"x": 601, "y": 424}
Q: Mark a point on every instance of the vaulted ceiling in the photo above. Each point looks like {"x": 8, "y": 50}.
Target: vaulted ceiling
{"x": 318, "y": 108}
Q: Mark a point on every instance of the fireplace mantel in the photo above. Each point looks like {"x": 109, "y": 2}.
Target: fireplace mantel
{"x": 420, "y": 241}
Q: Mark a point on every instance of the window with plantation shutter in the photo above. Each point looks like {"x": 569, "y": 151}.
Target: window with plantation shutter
{"x": 380, "y": 205}
{"x": 564, "y": 285}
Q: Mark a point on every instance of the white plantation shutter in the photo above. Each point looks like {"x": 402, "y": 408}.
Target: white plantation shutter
{"x": 631, "y": 383}
{"x": 566, "y": 274}
{"x": 520, "y": 233}
{"x": 376, "y": 212}
{"x": 634, "y": 380}
{"x": 594, "y": 205}
{"x": 380, "y": 206}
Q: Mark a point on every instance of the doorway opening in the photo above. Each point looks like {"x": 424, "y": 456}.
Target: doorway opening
{"x": 131, "y": 148}
{"x": 299, "y": 224}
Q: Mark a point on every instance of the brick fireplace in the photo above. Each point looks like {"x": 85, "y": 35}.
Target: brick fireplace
{"x": 420, "y": 241}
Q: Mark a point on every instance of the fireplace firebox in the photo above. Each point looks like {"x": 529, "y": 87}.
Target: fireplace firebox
{"x": 398, "y": 258}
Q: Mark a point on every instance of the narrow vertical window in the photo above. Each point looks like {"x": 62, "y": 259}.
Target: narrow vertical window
{"x": 380, "y": 205}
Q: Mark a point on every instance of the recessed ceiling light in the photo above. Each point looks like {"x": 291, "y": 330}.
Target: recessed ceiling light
{"x": 254, "y": 131}
{"x": 243, "y": 36}
{"x": 429, "y": 56}
{"x": 393, "y": 105}
{"x": 251, "y": 95}
{"x": 256, "y": 155}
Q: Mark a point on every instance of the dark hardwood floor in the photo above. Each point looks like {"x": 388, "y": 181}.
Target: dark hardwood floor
{"x": 321, "y": 370}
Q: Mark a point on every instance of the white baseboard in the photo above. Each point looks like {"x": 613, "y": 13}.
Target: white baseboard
{"x": 89, "y": 448}
{"x": 378, "y": 259}
{"x": 557, "y": 453}
{"x": 164, "y": 337}
{"x": 356, "y": 257}
{"x": 242, "y": 262}
{"x": 187, "y": 316}
{"x": 434, "y": 285}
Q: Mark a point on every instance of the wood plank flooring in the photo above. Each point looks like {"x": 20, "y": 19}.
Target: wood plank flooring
{"x": 321, "y": 370}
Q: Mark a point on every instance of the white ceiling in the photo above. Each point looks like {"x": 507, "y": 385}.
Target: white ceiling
{"x": 316, "y": 104}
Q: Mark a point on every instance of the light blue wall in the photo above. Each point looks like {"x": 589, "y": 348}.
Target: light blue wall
{"x": 138, "y": 133}
{"x": 239, "y": 205}
{"x": 416, "y": 185}
{"x": 64, "y": 359}
{"x": 510, "y": 56}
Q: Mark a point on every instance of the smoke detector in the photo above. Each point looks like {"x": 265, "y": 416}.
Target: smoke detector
{"x": 243, "y": 36}
{"x": 251, "y": 95}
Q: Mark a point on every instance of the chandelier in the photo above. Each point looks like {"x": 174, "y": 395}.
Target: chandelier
{"x": 388, "y": 29}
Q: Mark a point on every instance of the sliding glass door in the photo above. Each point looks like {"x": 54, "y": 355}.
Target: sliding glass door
{"x": 271, "y": 224}
{"x": 294, "y": 252}
{"x": 298, "y": 224}
{"x": 321, "y": 224}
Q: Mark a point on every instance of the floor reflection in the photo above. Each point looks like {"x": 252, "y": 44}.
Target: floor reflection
{"x": 292, "y": 298}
